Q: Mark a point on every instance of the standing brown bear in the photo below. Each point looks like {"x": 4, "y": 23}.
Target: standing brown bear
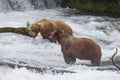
{"x": 82, "y": 48}
{"x": 47, "y": 26}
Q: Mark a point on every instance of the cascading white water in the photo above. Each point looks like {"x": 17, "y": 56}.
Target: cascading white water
{"x": 20, "y": 5}
{"x": 4, "y": 5}
{"x": 46, "y": 3}
{"x": 19, "y": 49}
{"x": 25, "y": 5}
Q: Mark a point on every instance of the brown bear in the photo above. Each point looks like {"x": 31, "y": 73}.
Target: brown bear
{"x": 47, "y": 26}
{"x": 81, "y": 48}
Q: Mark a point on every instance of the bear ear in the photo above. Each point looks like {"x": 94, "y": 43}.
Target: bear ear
{"x": 30, "y": 27}
{"x": 54, "y": 33}
{"x": 61, "y": 31}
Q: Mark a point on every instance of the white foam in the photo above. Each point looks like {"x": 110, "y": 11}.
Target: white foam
{"x": 41, "y": 53}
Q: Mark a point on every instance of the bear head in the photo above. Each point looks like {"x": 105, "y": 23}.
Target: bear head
{"x": 35, "y": 29}
{"x": 56, "y": 35}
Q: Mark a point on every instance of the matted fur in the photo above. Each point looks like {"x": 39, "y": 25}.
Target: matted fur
{"x": 81, "y": 48}
{"x": 47, "y": 26}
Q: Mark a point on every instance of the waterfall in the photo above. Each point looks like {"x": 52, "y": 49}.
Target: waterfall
{"x": 25, "y": 5}
{"x": 4, "y": 5}
{"x": 46, "y": 3}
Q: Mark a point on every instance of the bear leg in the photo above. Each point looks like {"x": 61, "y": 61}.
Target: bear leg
{"x": 43, "y": 36}
{"x": 69, "y": 59}
{"x": 95, "y": 62}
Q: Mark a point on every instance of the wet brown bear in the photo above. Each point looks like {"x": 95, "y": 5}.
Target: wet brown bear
{"x": 81, "y": 48}
{"x": 47, "y": 26}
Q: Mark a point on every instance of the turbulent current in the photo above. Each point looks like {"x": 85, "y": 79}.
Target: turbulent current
{"x": 23, "y": 50}
{"x": 39, "y": 52}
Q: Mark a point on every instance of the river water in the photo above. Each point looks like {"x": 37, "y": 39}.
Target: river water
{"x": 19, "y": 49}
{"x": 104, "y": 30}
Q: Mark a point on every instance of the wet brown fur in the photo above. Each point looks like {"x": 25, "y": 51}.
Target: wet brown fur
{"x": 47, "y": 26}
{"x": 81, "y": 48}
